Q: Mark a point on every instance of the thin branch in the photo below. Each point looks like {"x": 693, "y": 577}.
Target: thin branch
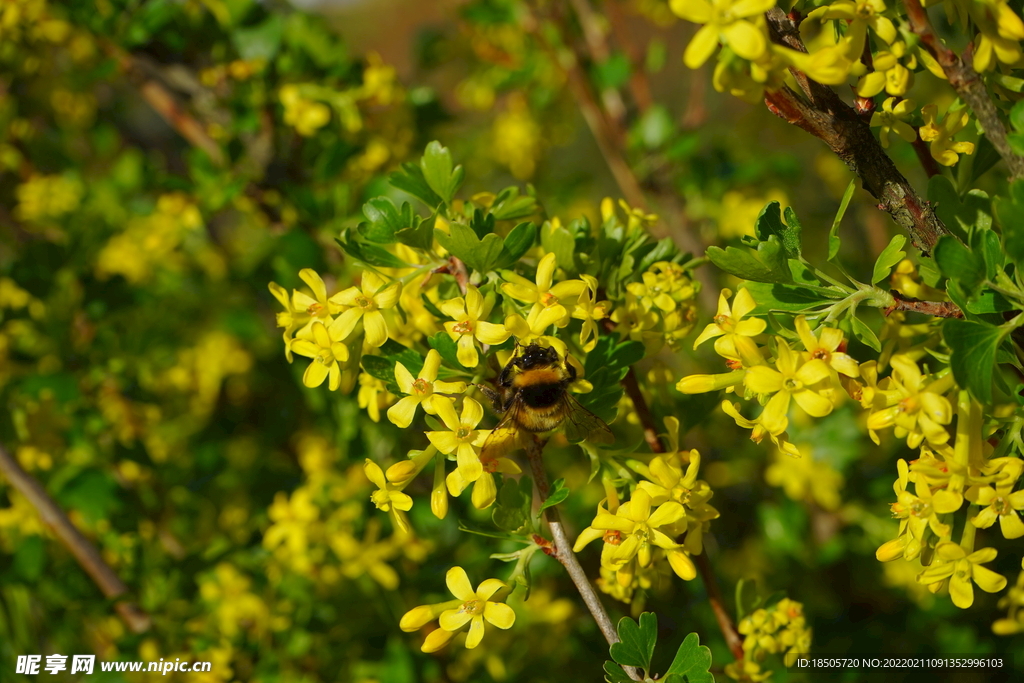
{"x": 643, "y": 412}
{"x": 824, "y": 115}
{"x": 939, "y": 309}
{"x": 85, "y": 552}
{"x": 732, "y": 636}
{"x": 562, "y": 549}
{"x": 968, "y": 85}
{"x": 597, "y": 45}
{"x": 639, "y": 85}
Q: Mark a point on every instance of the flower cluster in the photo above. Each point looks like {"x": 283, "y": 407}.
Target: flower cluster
{"x": 779, "y": 629}
{"x": 955, "y": 467}
{"x": 867, "y": 40}
{"x": 661, "y": 525}
{"x": 771, "y": 371}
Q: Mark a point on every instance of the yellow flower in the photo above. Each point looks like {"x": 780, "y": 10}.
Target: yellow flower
{"x": 1000, "y": 31}
{"x": 739, "y": 24}
{"x": 291, "y": 319}
{"x": 473, "y": 608}
{"x": 632, "y": 531}
{"x": 920, "y": 411}
{"x": 943, "y": 149}
{"x": 292, "y": 520}
{"x": 826, "y": 347}
{"x": 589, "y": 310}
{"x": 955, "y": 564}
{"x": 892, "y": 120}
{"x": 485, "y": 491}
{"x": 999, "y": 503}
{"x": 543, "y": 292}
{"x": 463, "y": 437}
{"x": 889, "y": 73}
{"x": 758, "y": 430}
{"x": 305, "y": 115}
{"x": 468, "y": 324}
{"x": 420, "y": 391}
{"x": 327, "y": 353}
{"x": 366, "y": 302}
{"x": 861, "y": 14}
{"x": 806, "y": 480}
{"x": 793, "y": 379}
{"x": 734, "y": 332}
{"x": 388, "y": 497}
{"x": 917, "y": 514}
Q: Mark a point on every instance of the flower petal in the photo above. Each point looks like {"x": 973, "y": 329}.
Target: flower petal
{"x": 458, "y": 584}
{"x": 454, "y": 619}
{"x": 402, "y": 413}
{"x": 476, "y": 632}
{"x": 499, "y": 614}
{"x": 701, "y": 46}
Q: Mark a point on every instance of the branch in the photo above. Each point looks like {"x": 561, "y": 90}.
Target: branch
{"x": 562, "y": 550}
{"x": 939, "y": 309}
{"x": 968, "y": 85}
{"x": 732, "y": 636}
{"x": 824, "y": 115}
{"x": 85, "y": 553}
{"x": 643, "y": 412}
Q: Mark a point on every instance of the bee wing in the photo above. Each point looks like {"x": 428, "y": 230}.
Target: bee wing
{"x": 506, "y": 437}
{"x": 583, "y": 425}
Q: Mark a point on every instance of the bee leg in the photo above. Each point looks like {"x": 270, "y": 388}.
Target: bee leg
{"x": 570, "y": 370}
{"x": 493, "y": 396}
{"x": 505, "y": 378}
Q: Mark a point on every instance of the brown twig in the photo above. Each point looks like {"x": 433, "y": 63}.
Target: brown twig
{"x": 562, "y": 548}
{"x": 924, "y": 155}
{"x": 939, "y": 309}
{"x": 85, "y": 552}
{"x": 732, "y": 636}
{"x": 166, "y": 105}
{"x": 968, "y": 84}
{"x": 650, "y": 428}
{"x": 824, "y": 115}
{"x": 639, "y": 85}
{"x": 597, "y": 45}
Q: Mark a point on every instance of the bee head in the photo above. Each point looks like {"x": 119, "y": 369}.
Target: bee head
{"x": 535, "y": 355}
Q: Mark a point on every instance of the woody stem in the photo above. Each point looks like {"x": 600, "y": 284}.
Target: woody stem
{"x": 563, "y": 552}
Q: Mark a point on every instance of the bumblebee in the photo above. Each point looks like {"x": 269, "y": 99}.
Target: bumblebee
{"x": 533, "y": 396}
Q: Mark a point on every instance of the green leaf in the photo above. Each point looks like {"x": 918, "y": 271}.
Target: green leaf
{"x": 989, "y": 301}
{"x": 509, "y": 205}
{"x": 1009, "y": 212}
{"x": 637, "y": 642}
{"x": 613, "y": 673}
{"x": 29, "y": 559}
{"x": 516, "y": 243}
{"x": 889, "y": 257}
{"x": 462, "y": 241}
{"x": 447, "y": 347}
{"x": 370, "y": 254}
{"x": 438, "y": 172}
{"x": 790, "y": 298}
{"x": 973, "y": 346}
{"x": 410, "y": 179}
{"x": 746, "y": 597}
{"x": 379, "y": 367}
{"x": 384, "y": 220}
{"x": 961, "y": 216}
{"x": 663, "y": 250}
{"x": 558, "y": 240}
{"x": 261, "y": 41}
{"x": 959, "y": 263}
{"x": 512, "y": 507}
{"x": 833, "y": 234}
{"x": 655, "y": 127}
{"x": 769, "y": 222}
{"x": 745, "y": 266}
{"x": 419, "y": 236}
{"x": 985, "y": 157}
{"x": 1017, "y": 116}
{"x": 613, "y": 72}
{"x": 864, "y": 333}
{"x": 558, "y": 494}
{"x": 692, "y": 662}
